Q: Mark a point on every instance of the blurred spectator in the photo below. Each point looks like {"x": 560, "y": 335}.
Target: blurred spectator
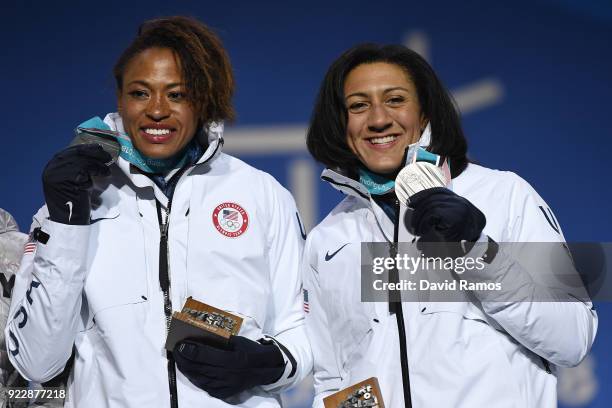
{"x": 11, "y": 249}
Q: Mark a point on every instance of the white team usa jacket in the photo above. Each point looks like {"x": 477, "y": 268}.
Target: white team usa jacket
{"x": 235, "y": 241}
{"x": 467, "y": 354}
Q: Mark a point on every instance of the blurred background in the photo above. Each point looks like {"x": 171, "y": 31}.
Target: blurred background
{"x": 531, "y": 78}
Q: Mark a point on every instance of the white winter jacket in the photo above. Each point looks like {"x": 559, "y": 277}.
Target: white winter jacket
{"x": 472, "y": 353}
{"x": 97, "y": 286}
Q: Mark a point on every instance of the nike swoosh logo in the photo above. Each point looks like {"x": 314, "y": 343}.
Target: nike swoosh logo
{"x": 329, "y": 257}
{"x": 69, "y": 204}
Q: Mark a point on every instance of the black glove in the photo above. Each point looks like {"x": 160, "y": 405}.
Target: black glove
{"x": 226, "y": 372}
{"x": 441, "y": 216}
{"x": 67, "y": 180}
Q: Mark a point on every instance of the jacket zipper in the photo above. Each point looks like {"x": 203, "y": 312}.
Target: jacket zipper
{"x": 396, "y": 308}
{"x": 164, "y": 282}
{"x": 164, "y": 277}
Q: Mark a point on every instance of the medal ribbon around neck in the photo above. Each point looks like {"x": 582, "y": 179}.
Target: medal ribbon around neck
{"x": 97, "y": 127}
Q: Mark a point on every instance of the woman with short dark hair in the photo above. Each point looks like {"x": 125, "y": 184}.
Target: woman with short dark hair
{"x": 144, "y": 212}
{"x": 391, "y": 139}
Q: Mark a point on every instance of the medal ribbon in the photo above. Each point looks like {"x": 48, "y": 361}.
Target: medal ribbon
{"x": 96, "y": 126}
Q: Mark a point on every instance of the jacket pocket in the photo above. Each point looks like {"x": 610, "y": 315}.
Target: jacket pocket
{"x": 102, "y": 212}
{"x": 461, "y": 320}
{"x": 350, "y": 326}
{"x": 117, "y": 272}
{"x": 465, "y": 309}
{"x": 461, "y": 347}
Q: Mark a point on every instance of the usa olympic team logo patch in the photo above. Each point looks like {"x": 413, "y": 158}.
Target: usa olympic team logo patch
{"x": 230, "y": 219}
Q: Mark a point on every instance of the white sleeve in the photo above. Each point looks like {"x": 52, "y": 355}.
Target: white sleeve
{"x": 547, "y": 319}
{"x": 45, "y": 310}
{"x": 327, "y": 378}
{"x": 286, "y": 327}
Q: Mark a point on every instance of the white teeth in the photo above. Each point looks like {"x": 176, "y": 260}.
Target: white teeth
{"x": 157, "y": 132}
{"x": 381, "y": 140}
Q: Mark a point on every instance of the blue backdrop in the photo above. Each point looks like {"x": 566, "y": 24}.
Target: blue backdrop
{"x": 532, "y": 78}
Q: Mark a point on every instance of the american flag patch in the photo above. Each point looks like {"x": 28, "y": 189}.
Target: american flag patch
{"x": 306, "y": 304}
{"x": 230, "y": 215}
{"x": 29, "y": 248}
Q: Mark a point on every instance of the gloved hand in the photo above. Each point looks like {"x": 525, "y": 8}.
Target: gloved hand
{"x": 441, "y": 216}
{"x": 226, "y": 372}
{"x": 67, "y": 179}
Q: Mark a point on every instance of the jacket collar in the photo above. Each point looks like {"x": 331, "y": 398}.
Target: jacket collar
{"x": 355, "y": 189}
{"x": 346, "y": 184}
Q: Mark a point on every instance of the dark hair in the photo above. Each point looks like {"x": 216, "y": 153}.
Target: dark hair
{"x": 326, "y": 137}
{"x": 204, "y": 63}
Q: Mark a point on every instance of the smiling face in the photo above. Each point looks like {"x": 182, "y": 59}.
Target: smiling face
{"x": 153, "y": 105}
{"x": 384, "y": 115}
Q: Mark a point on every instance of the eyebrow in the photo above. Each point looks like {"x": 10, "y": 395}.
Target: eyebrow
{"x": 148, "y": 85}
{"x": 363, "y": 94}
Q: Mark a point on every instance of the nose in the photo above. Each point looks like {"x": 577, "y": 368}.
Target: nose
{"x": 158, "y": 108}
{"x": 379, "y": 119}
